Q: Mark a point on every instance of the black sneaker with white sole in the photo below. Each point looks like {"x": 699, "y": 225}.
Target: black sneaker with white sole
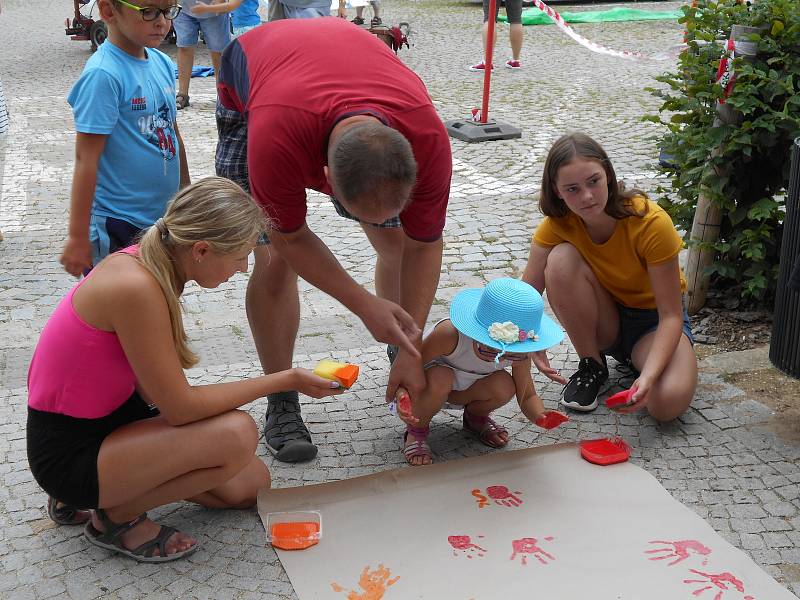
{"x": 584, "y": 385}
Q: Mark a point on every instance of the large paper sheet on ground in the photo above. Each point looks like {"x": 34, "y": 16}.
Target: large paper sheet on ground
{"x": 530, "y": 523}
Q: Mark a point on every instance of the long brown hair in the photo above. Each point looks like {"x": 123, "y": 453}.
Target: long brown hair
{"x": 579, "y": 145}
{"x": 214, "y": 210}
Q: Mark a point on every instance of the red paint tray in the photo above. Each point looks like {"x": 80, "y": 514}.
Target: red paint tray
{"x": 605, "y": 451}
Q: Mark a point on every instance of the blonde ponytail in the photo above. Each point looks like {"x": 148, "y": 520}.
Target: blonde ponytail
{"x": 214, "y": 210}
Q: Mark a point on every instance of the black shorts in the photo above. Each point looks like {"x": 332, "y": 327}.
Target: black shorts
{"x": 62, "y": 450}
{"x": 634, "y": 324}
{"x": 513, "y": 11}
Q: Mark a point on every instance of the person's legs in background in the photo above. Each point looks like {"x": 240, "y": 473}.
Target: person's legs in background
{"x": 217, "y": 35}
{"x": 514, "y": 14}
{"x": 187, "y": 31}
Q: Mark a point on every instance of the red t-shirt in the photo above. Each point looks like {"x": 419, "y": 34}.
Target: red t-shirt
{"x": 295, "y": 79}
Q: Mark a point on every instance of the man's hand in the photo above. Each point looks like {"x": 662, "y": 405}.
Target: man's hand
{"x": 77, "y": 256}
{"x": 407, "y": 373}
{"x": 389, "y": 323}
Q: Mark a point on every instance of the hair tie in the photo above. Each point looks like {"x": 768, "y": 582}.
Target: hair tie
{"x": 162, "y": 228}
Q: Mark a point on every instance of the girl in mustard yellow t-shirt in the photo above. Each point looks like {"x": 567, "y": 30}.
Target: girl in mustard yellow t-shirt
{"x": 609, "y": 261}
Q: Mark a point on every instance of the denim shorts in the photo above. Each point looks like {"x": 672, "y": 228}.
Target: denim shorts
{"x": 230, "y": 161}
{"x": 307, "y": 12}
{"x": 634, "y": 324}
{"x": 216, "y": 31}
{"x": 513, "y": 11}
{"x": 107, "y": 235}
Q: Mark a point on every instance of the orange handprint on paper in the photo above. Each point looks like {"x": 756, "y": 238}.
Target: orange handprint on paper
{"x": 374, "y": 583}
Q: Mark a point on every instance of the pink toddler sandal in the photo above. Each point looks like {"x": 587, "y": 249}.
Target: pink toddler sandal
{"x": 419, "y": 447}
{"x": 485, "y": 429}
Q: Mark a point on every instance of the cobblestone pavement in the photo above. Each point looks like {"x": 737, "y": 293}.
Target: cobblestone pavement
{"x": 720, "y": 458}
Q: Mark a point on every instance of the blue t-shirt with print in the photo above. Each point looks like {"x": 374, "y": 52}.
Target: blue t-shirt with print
{"x": 132, "y": 102}
{"x": 246, "y": 15}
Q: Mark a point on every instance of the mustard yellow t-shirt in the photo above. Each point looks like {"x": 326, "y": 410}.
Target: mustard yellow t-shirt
{"x": 620, "y": 264}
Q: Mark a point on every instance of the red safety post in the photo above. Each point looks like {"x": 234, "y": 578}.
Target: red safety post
{"x": 487, "y": 60}
{"x": 484, "y": 130}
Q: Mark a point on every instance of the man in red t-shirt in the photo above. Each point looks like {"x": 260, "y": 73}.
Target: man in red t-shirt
{"x": 322, "y": 104}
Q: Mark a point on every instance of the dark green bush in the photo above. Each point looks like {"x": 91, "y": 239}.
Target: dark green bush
{"x": 748, "y": 173}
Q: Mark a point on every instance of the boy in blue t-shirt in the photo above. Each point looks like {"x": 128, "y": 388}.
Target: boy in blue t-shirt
{"x": 129, "y": 155}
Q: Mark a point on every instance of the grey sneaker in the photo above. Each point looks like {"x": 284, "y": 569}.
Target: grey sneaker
{"x": 584, "y": 385}
{"x": 285, "y": 434}
{"x": 391, "y": 352}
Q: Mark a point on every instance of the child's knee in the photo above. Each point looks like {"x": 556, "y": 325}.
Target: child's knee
{"x": 439, "y": 380}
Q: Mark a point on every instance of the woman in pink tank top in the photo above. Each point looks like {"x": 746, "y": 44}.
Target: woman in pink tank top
{"x": 113, "y": 424}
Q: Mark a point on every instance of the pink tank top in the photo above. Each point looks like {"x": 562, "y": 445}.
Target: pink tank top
{"x": 76, "y": 369}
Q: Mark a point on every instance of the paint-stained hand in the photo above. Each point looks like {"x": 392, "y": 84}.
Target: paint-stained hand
{"x": 402, "y": 402}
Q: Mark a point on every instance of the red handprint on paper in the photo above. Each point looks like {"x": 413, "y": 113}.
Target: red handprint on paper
{"x": 480, "y": 498}
{"x": 465, "y": 545}
{"x": 501, "y": 495}
{"x": 720, "y": 581}
{"x": 678, "y": 550}
{"x": 527, "y": 546}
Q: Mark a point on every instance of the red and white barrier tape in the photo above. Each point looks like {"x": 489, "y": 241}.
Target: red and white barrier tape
{"x": 594, "y": 47}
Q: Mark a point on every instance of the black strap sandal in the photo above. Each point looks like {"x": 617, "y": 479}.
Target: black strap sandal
{"x": 66, "y": 514}
{"x": 111, "y": 539}
{"x": 181, "y": 101}
{"x": 357, "y": 21}
{"x": 285, "y": 434}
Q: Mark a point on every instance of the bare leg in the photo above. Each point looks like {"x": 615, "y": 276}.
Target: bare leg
{"x": 185, "y": 63}
{"x": 671, "y": 395}
{"x": 429, "y": 402}
{"x": 273, "y": 310}
{"x": 485, "y": 396}
{"x": 388, "y": 244}
{"x": 216, "y": 59}
{"x": 583, "y": 307}
{"x": 515, "y": 37}
{"x": 151, "y": 463}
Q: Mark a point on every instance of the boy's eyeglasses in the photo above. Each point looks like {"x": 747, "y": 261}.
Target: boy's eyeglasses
{"x": 150, "y": 13}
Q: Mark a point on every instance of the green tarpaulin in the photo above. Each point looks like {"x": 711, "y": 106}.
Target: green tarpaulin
{"x": 533, "y": 16}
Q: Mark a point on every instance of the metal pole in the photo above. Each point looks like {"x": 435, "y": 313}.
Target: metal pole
{"x": 487, "y": 60}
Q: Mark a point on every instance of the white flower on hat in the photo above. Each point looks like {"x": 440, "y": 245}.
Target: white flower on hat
{"x": 506, "y": 332}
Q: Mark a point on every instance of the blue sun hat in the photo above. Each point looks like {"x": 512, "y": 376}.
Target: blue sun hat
{"x": 508, "y": 314}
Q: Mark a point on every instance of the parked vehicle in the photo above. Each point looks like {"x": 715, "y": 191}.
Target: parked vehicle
{"x": 87, "y": 25}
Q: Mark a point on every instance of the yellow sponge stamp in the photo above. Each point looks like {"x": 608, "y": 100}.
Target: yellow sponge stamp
{"x": 346, "y": 374}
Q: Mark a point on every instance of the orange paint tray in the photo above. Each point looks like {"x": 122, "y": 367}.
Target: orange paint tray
{"x": 294, "y": 530}
{"x": 605, "y": 451}
{"x": 345, "y": 373}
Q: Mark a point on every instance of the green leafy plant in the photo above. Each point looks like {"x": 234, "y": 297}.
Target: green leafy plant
{"x": 743, "y": 167}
